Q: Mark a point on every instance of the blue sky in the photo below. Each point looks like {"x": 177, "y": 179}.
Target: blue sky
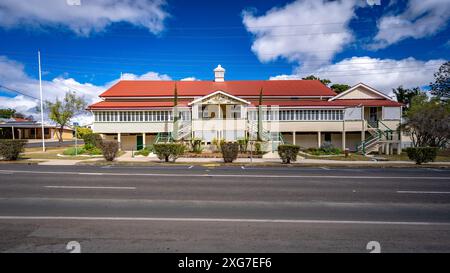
{"x": 85, "y": 48}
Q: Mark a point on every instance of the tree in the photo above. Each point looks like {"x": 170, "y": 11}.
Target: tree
{"x": 339, "y": 88}
{"x": 441, "y": 85}
{"x": 312, "y": 77}
{"x": 428, "y": 122}
{"x": 7, "y": 113}
{"x": 405, "y": 95}
{"x": 63, "y": 111}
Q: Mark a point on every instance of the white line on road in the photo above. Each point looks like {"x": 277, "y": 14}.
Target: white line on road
{"x": 427, "y": 192}
{"x": 90, "y": 173}
{"x": 325, "y": 168}
{"x": 90, "y": 187}
{"x": 240, "y": 175}
{"x": 290, "y": 221}
{"x": 190, "y": 167}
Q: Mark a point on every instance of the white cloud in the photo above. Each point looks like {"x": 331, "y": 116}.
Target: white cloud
{"x": 12, "y": 75}
{"x": 285, "y": 32}
{"x": 382, "y": 74}
{"x": 90, "y": 16}
{"x": 420, "y": 19}
{"x": 190, "y": 79}
{"x": 150, "y": 76}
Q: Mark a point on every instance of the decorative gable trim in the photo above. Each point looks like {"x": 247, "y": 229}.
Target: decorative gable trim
{"x": 351, "y": 89}
{"x": 210, "y": 96}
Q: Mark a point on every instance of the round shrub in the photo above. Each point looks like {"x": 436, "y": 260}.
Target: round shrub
{"x": 10, "y": 149}
{"x": 168, "y": 151}
{"x": 109, "y": 149}
{"x": 422, "y": 154}
{"x": 230, "y": 151}
{"x": 288, "y": 152}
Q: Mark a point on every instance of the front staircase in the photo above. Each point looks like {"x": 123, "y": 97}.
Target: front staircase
{"x": 163, "y": 137}
{"x": 276, "y": 138}
{"x": 379, "y": 134}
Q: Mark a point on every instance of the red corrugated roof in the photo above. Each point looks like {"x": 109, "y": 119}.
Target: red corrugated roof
{"x": 134, "y": 104}
{"x": 235, "y": 88}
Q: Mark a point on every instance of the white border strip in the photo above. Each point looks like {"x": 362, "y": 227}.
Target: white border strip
{"x": 90, "y": 187}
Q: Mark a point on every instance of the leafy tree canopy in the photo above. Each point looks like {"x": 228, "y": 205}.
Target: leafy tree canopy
{"x": 441, "y": 85}
{"x": 61, "y": 112}
{"x": 428, "y": 121}
{"x": 339, "y": 88}
{"x": 405, "y": 95}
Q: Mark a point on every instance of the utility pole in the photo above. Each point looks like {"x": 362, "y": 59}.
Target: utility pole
{"x": 42, "y": 104}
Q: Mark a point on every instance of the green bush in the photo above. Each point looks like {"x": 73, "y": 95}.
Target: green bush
{"x": 197, "y": 145}
{"x": 422, "y": 154}
{"x": 71, "y": 151}
{"x": 243, "y": 143}
{"x": 288, "y": 152}
{"x": 144, "y": 151}
{"x": 230, "y": 151}
{"x": 10, "y": 149}
{"x": 169, "y": 151}
{"x": 109, "y": 149}
{"x": 93, "y": 139}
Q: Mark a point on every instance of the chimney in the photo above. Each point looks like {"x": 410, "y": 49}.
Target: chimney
{"x": 219, "y": 74}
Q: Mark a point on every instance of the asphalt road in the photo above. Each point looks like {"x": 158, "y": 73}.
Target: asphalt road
{"x": 223, "y": 209}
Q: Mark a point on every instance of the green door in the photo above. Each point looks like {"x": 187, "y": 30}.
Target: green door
{"x": 139, "y": 144}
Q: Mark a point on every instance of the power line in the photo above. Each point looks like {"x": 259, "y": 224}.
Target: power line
{"x": 16, "y": 91}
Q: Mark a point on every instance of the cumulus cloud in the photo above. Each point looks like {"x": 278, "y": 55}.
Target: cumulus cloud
{"x": 190, "y": 79}
{"x": 301, "y": 31}
{"x": 150, "y": 76}
{"x": 382, "y": 74}
{"x": 12, "y": 75}
{"x": 419, "y": 19}
{"x": 90, "y": 16}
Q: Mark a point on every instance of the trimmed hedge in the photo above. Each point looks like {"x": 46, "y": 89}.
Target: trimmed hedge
{"x": 230, "y": 151}
{"x": 92, "y": 139}
{"x": 288, "y": 152}
{"x": 422, "y": 154}
{"x": 109, "y": 149}
{"x": 10, "y": 149}
{"x": 168, "y": 151}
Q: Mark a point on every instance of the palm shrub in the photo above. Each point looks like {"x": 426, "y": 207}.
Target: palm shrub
{"x": 230, "y": 151}
{"x": 197, "y": 145}
{"x": 288, "y": 152}
{"x": 109, "y": 149}
{"x": 169, "y": 151}
{"x": 10, "y": 149}
{"x": 422, "y": 154}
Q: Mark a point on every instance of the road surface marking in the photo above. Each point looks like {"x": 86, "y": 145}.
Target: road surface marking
{"x": 90, "y": 187}
{"x": 430, "y": 192}
{"x": 239, "y": 175}
{"x": 190, "y": 167}
{"x": 243, "y": 220}
{"x": 325, "y": 168}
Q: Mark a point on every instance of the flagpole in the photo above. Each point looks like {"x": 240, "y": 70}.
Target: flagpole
{"x": 42, "y": 107}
